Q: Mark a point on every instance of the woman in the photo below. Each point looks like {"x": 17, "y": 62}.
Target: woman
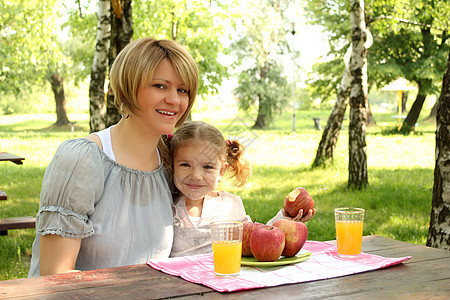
{"x": 105, "y": 200}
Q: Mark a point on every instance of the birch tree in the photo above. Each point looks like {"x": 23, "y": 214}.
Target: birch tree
{"x": 121, "y": 35}
{"x": 330, "y": 135}
{"x": 439, "y": 231}
{"x": 97, "y": 107}
{"x": 357, "y": 148}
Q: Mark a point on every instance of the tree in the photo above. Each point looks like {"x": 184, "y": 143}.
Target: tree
{"x": 33, "y": 34}
{"x": 262, "y": 38}
{"x": 97, "y": 107}
{"x": 192, "y": 24}
{"x": 330, "y": 135}
{"x": 410, "y": 41}
{"x": 20, "y": 49}
{"x": 265, "y": 87}
{"x": 439, "y": 231}
{"x": 114, "y": 32}
{"x": 57, "y": 83}
{"x": 197, "y": 25}
{"x": 121, "y": 35}
{"x": 357, "y": 167}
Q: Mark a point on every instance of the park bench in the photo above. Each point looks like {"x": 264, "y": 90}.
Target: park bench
{"x": 16, "y": 223}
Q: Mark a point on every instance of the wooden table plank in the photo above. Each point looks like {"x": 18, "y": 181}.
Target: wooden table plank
{"x": 424, "y": 275}
{"x": 5, "y": 156}
{"x": 109, "y": 282}
{"x": 404, "y": 280}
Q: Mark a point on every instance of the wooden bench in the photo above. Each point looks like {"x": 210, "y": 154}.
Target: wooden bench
{"x": 16, "y": 223}
{"x": 3, "y": 195}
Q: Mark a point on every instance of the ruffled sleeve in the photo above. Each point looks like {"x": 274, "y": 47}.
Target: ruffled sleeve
{"x": 72, "y": 184}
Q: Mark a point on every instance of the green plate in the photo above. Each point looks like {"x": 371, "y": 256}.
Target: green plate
{"x": 301, "y": 256}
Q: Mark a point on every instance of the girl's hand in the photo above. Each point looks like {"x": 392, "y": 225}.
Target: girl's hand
{"x": 300, "y": 217}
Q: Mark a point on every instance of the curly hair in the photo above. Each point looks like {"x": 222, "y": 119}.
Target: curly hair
{"x": 228, "y": 151}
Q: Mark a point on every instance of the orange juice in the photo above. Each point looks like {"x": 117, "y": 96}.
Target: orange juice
{"x": 349, "y": 237}
{"x": 227, "y": 257}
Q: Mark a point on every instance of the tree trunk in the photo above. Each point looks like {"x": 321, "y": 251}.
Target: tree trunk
{"x": 370, "y": 119}
{"x": 97, "y": 107}
{"x": 404, "y": 100}
{"x": 425, "y": 85}
{"x": 357, "y": 168}
{"x": 433, "y": 112}
{"x": 57, "y": 83}
{"x": 327, "y": 145}
{"x": 413, "y": 115}
{"x": 121, "y": 35}
{"x": 439, "y": 231}
{"x": 261, "y": 120}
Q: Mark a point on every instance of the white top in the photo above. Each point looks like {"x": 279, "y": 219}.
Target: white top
{"x": 190, "y": 239}
{"x": 195, "y": 221}
{"x": 123, "y": 216}
{"x": 105, "y": 138}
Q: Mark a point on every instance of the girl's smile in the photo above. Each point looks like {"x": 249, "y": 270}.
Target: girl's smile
{"x": 196, "y": 170}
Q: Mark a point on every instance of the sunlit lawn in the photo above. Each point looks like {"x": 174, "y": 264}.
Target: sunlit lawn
{"x": 398, "y": 199}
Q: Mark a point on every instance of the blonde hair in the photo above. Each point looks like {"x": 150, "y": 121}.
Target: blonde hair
{"x": 231, "y": 152}
{"x": 136, "y": 63}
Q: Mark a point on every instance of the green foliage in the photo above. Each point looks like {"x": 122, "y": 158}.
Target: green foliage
{"x": 261, "y": 39}
{"x": 325, "y": 86}
{"x": 270, "y": 92}
{"x": 197, "y": 25}
{"x": 40, "y": 38}
{"x": 26, "y": 43}
{"x": 409, "y": 40}
{"x": 79, "y": 45}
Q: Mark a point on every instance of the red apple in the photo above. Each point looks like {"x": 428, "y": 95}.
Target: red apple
{"x": 295, "y": 234}
{"x": 296, "y": 200}
{"x": 248, "y": 229}
{"x": 267, "y": 243}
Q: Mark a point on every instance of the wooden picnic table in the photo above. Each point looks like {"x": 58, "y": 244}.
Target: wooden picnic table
{"x": 425, "y": 276}
{"x": 16, "y": 222}
{"x": 5, "y": 156}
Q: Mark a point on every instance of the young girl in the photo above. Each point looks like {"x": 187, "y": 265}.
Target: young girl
{"x": 201, "y": 156}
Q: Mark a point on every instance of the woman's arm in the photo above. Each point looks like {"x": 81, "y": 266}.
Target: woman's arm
{"x": 57, "y": 254}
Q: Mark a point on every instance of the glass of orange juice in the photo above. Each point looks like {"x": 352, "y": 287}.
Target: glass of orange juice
{"x": 349, "y": 230}
{"x": 227, "y": 247}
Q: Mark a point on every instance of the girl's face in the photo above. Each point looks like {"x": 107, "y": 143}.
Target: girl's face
{"x": 163, "y": 100}
{"x": 197, "y": 169}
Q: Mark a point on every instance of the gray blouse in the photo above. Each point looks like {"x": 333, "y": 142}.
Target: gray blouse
{"x": 122, "y": 215}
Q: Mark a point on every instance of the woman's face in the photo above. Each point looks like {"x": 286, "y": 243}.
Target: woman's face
{"x": 197, "y": 169}
{"x": 163, "y": 100}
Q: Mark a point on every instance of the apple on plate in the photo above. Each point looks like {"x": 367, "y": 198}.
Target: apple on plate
{"x": 267, "y": 243}
{"x": 248, "y": 229}
{"x": 295, "y": 234}
{"x": 298, "y": 199}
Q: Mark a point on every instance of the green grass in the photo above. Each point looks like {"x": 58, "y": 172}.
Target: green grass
{"x": 397, "y": 200}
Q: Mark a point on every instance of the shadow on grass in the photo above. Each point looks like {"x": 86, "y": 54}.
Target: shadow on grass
{"x": 39, "y": 126}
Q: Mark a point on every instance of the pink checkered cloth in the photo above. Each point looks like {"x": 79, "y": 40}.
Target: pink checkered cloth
{"x": 323, "y": 263}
